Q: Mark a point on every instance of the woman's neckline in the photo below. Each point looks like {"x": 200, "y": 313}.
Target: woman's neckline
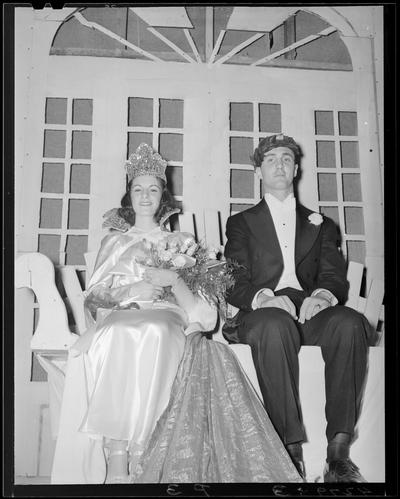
{"x": 139, "y": 229}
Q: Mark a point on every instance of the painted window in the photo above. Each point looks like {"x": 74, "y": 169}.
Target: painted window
{"x": 249, "y": 122}
{"x": 66, "y": 168}
{"x": 338, "y": 175}
{"x": 159, "y": 123}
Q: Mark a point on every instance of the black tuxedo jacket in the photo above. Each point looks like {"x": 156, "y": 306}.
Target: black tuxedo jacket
{"x": 252, "y": 242}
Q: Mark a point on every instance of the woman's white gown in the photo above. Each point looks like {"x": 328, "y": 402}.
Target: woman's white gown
{"x": 120, "y": 372}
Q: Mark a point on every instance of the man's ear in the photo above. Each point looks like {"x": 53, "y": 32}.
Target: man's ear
{"x": 296, "y": 167}
{"x": 258, "y": 172}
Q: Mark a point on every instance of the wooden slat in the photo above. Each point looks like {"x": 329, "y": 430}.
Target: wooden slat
{"x": 200, "y": 226}
{"x": 211, "y": 223}
{"x": 186, "y": 223}
{"x": 361, "y": 305}
{"x": 354, "y": 276}
{"x": 374, "y": 301}
{"x": 52, "y": 331}
{"x": 75, "y": 295}
{"x": 90, "y": 260}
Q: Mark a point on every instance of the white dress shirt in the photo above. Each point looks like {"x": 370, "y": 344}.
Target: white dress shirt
{"x": 283, "y": 215}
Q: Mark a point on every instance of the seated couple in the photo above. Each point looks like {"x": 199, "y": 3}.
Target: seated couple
{"x": 149, "y": 399}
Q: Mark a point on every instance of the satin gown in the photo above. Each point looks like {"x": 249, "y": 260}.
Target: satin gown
{"x": 120, "y": 372}
{"x": 150, "y": 377}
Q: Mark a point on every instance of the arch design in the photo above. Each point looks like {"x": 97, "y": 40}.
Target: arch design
{"x": 259, "y": 36}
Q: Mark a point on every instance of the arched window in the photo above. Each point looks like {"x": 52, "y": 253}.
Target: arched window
{"x": 200, "y": 34}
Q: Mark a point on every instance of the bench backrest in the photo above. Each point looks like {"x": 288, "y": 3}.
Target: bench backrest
{"x": 207, "y": 226}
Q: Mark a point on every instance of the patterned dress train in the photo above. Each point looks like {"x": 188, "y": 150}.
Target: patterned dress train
{"x": 214, "y": 429}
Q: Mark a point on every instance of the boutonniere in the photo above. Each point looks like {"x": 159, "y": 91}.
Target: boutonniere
{"x": 315, "y": 219}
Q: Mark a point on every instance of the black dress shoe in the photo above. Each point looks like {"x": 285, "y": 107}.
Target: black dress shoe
{"x": 342, "y": 470}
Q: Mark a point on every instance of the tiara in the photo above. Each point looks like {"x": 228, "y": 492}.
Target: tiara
{"x": 144, "y": 161}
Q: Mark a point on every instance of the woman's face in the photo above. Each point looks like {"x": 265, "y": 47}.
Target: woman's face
{"x": 146, "y": 192}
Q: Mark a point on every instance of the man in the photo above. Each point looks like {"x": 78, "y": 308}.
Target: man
{"x": 289, "y": 291}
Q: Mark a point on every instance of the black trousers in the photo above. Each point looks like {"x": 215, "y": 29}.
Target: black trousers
{"x": 275, "y": 340}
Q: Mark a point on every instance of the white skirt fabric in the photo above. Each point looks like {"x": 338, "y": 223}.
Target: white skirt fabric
{"x": 118, "y": 389}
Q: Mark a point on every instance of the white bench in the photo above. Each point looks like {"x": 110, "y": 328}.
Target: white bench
{"x": 53, "y": 337}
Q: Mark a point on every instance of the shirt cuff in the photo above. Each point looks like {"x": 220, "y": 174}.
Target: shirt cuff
{"x": 331, "y": 296}
{"x": 265, "y": 291}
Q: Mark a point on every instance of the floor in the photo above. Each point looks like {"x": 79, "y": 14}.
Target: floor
{"x": 32, "y": 480}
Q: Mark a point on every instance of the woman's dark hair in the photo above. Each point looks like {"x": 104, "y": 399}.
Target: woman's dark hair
{"x": 167, "y": 203}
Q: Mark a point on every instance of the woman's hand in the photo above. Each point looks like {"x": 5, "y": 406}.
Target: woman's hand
{"x": 145, "y": 290}
{"x": 160, "y": 277}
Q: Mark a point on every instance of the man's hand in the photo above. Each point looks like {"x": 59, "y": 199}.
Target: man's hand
{"x": 283, "y": 302}
{"x": 312, "y": 306}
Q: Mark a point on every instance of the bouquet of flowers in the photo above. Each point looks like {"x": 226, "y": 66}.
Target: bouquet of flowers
{"x": 203, "y": 270}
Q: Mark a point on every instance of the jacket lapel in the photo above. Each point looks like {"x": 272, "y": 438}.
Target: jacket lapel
{"x": 262, "y": 226}
{"x": 306, "y": 233}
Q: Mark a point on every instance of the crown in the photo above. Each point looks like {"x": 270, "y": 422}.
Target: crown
{"x": 145, "y": 161}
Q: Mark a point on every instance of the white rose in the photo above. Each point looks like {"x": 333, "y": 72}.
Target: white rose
{"x": 166, "y": 255}
{"x": 183, "y": 260}
{"x": 315, "y": 218}
{"x": 179, "y": 261}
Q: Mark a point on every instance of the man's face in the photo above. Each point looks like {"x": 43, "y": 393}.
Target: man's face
{"x": 278, "y": 169}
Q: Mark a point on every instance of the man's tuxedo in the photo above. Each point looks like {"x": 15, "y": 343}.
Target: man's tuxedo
{"x": 275, "y": 337}
{"x": 252, "y": 241}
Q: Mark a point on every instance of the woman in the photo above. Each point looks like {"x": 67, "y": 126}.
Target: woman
{"x": 146, "y": 360}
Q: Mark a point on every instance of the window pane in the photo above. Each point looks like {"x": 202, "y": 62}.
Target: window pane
{"x": 324, "y": 123}
{"x": 270, "y": 118}
{"x": 327, "y": 188}
{"x": 241, "y": 149}
{"x": 49, "y": 245}
{"x": 140, "y": 112}
{"x": 175, "y": 180}
{"x": 80, "y": 179}
{"x": 136, "y": 138}
{"x": 236, "y": 208}
{"x": 347, "y": 123}
{"x": 331, "y": 212}
{"x": 241, "y": 116}
{"x": 54, "y": 143}
{"x": 349, "y": 154}
{"x": 50, "y": 213}
{"x": 171, "y": 146}
{"x": 356, "y": 251}
{"x": 351, "y": 187}
{"x": 354, "y": 220}
{"x": 53, "y": 177}
{"x": 81, "y": 144}
{"x": 326, "y": 157}
{"x": 82, "y": 111}
{"x": 75, "y": 248}
{"x": 56, "y": 111}
{"x": 171, "y": 113}
{"x": 242, "y": 184}
{"x": 78, "y": 214}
